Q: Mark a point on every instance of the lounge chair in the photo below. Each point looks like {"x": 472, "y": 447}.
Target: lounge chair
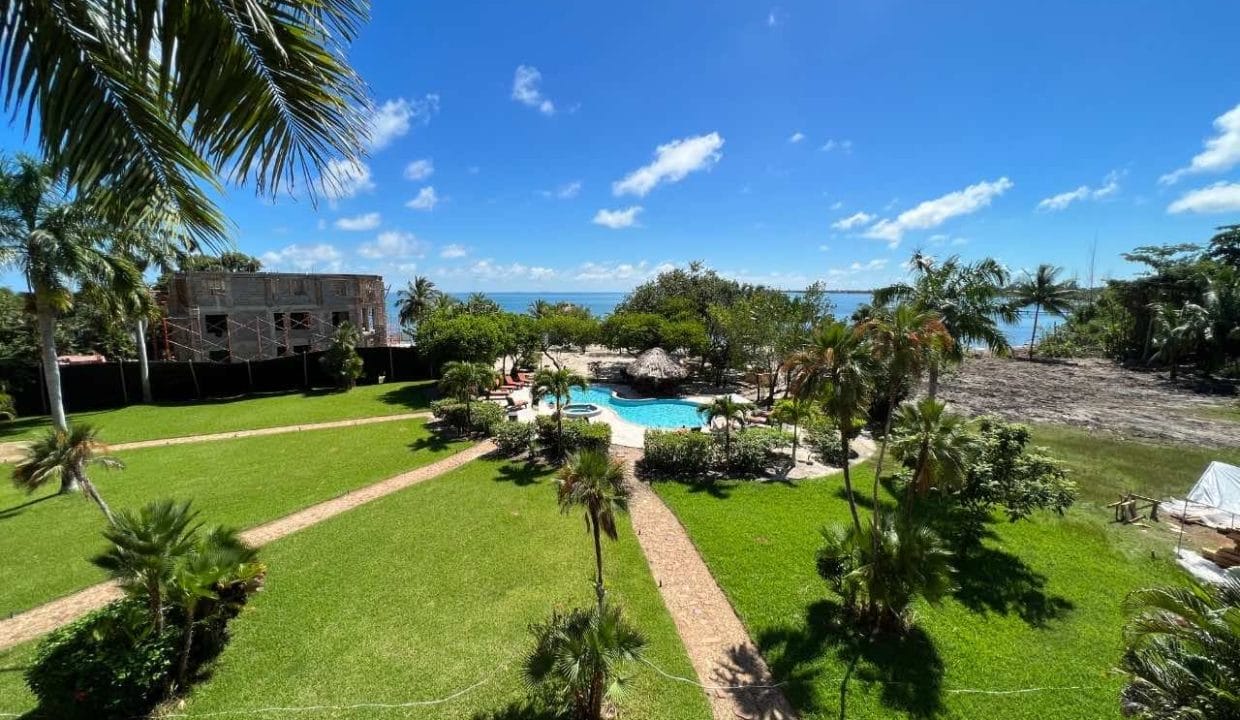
{"x": 514, "y": 405}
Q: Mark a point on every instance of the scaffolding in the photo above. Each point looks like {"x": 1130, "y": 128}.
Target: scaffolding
{"x": 183, "y": 338}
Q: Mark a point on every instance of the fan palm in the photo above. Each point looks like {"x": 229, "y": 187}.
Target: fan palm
{"x": 1046, "y": 293}
{"x": 466, "y": 380}
{"x": 1183, "y": 658}
{"x": 56, "y": 244}
{"x": 152, "y": 98}
{"x": 938, "y": 442}
{"x": 559, "y": 384}
{"x": 415, "y": 302}
{"x": 63, "y": 455}
{"x": 836, "y": 367}
{"x": 147, "y": 546}
{"x": 727, "y": 409}
{"x": 595, "y": 482}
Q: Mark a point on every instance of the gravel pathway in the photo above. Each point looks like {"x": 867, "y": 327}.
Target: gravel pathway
{"x": 714, "y": 637}
{"x": 11, "y": 452}
{"x": 45, "y": 618}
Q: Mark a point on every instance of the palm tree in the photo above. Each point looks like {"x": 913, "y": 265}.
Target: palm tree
{"x": 559, "y": 384}
{"x": 63, "y": 455}
{"x": 936, "y": 440}
{"x": 415, "y": 302}
{"x": 795, "y": 411}
{"x": 969, "y": 300}
{"x": 836, "y": 367}
{"x": 464, "y": 381}
{"x": 1183, "y": 658}
{"x": 728, "y": 410}
{"x": 157, "y": 99}
{"x": 1177, "y": 331}
{"x": 147, "y": 547}
{"x": 540, "y": 308}
{"x": 56, "y": 244}
{"x": 1046, "y": 293}
{"x": 595, "y": 482}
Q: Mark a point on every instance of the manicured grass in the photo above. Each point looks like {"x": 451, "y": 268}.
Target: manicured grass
{"x": 1105, "y": 466}
{"x": 1039, "y": 606}
{"x": 147, "y": 422}
{"x": 45, "y": 540}
{"x": 425, "y": 593}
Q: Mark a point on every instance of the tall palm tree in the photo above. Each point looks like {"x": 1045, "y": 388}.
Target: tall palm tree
{"x": 147, "y": 545}
{"x": 464, "y": 381}
{"x": 595, "y": 482}
{"x": 1046, "y": 293}
{"x": 728, "y": 410}
{"x": 936, "y": 440}
{"x": 63, "y": 455}
{"x": 415, "y": 302}
{"x": 795, "y": 411}
{"x": 559, "y": 384}
{"x": 158, "y": 99}
{"x": 56, "y": 244}
{"x": 836, "y": 367}
{"x": 968, "y": 298}
{"x": 1183, "y": 658}
{"x": 1178, "y": 331}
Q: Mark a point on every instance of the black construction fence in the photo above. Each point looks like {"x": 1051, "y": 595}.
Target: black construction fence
{"x": 97, "y": 386}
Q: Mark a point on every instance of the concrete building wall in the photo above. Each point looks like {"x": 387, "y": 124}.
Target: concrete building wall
{"x": 249, "y": 316}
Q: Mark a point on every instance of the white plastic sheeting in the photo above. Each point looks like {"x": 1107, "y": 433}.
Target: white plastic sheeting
{"x": 1203, "y": 569}
{"x": 1214, "y": 500}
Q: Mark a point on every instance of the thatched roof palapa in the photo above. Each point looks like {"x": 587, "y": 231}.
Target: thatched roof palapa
{"x": 657, "y": 367}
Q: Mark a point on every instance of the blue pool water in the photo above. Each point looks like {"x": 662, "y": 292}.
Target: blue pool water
{"x": 655, "y": 413}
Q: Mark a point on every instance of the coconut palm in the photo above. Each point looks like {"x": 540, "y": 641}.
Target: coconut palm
{"x": 464, "y": 381}
{"x": 578, "y": 656}
{"x": 595, "y": 482}
{"x": 147, "y": 546}
{"x": 727, "y": 409}
{"x": 1178, "y": 331}
{"x": 1046, "y": 293}
{"x": 415, "y": 302}
{"x": 63, "y": 455}
{"x": 1183, "y": 658}
{"x": 559, "y": 384}
{"x": 936, "y": 441}
{"x": 157, "y": 99}
{"x": 795, "y": 411}
{"x": 836, "y": 368}
{"x": 56, "y": 244}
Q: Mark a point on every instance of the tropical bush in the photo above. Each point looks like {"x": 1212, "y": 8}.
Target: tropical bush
{"x": 341, "y": 360}
{"x": 579, "y": 435}
{"x": 1005, "y": 473}
{"x": 514, "y": 438}
{"x": 823, "y": 438}
{"x": 678, "y": 454}
{"x": 476, "y": 416}
{"x": 8, "y": 408}
{"x": 753, "y": 450}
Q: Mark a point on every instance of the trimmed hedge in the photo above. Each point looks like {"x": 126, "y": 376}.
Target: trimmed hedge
{"x": 678, "y": 453}
{"x": 482, "y": 417}
{"x": 578, "y": 435}
{"x": 514, "y": 438}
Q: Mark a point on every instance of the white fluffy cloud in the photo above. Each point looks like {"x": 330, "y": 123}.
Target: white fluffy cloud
{"x": 606, "y": 271}
{"x": 932, "y": 213}
{"x": 490, "y": 270}
{"x": 393, "y": 244}
{"x": 368, "y": 221}
{"x": 451, "y": 252}
{"x": 393, "y": 118}
{"x": 617, "y": 219}
{"x": 345, "y": 179}
{"x": 673, "y": 161}
{"x": 567, "y": 191}
{"x": 852, "y": 221}
{"x": 1216, "y": 198}
{"x": 420, "y": 169}
{"x": 525, "y": 89}
{"x": 796, "y": 137}
{"x": 833, "y": 145}
{"x": 425, "y": 200}
{"x": 303, "y": 258}
{"x": 1222, "y": 152}
{"x": 1110, "y": 186}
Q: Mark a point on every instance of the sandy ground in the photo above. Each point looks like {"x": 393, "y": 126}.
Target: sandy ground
{"x": 1093, "y": 394}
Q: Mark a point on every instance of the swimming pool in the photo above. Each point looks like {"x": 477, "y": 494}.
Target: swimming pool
{"x": 653, "y": 412}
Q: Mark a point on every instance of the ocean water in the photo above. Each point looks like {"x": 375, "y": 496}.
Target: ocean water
{"x": 601, "y": 304}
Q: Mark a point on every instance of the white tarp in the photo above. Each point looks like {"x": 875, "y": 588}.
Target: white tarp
{"x": 1214, "y": 500}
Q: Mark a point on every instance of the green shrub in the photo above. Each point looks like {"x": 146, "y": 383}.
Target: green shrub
{"x": 1008, "y": 474}
{"x": 478, "y": 417}
{"x": 8, "y": 408}
{"x": 824, "y": 440}
{"x": 752, "y": 449}
{"x": 578, "y": 435}
{"x": 514, "y": 438}
{"x": 341, "y": 360}
{"x": 678, "y": 454}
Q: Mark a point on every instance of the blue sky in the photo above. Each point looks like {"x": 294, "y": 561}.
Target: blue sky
{"x": 582, "y": 146}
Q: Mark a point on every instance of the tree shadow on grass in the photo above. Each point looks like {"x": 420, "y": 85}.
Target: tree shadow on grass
{"x": 435, "y": 442}
{"x": 518, "y": 711}
{"x": 15, "y": 429}
{"x": 413, "y": 397}
{"x": 990, "y": 580}
{"x": 16, "y": 510}
{"x": 907, "y": 667}
{"x": 522, "y": 474}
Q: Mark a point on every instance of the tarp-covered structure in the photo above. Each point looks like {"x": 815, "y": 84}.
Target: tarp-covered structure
{"x": 1213, "y": 501}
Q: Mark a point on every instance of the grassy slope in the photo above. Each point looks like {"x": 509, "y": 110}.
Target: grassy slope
{"x": 145, "y": 422}
{"x": 44, "y": 544}
{"x": 425, "y": 593}
{"x": 1039, "y": 606}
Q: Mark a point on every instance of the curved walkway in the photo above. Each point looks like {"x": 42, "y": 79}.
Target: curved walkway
{"x": 45, "y": 618}
{"x": 11, "y": 452}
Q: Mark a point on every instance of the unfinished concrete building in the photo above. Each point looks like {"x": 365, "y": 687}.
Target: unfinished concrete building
{"x": 225, "y": 316}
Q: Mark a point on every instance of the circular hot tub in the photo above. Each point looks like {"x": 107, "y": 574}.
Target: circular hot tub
{"x": 581, "y": 410}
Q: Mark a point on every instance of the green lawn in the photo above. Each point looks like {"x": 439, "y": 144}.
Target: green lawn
{"x": 425, "y": 593}
{"x": 1039, "y": 606}
{"x": 46, "y": 539}
{"x": 147, "y": 422}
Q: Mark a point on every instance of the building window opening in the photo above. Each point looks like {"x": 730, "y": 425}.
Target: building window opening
{"x": 278, "y": 320}
{"x": 216, "y": 325}
{"x": 340, "y": 317}
{"x": 299, "y": 320}
{"x": 218, "y": 356}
